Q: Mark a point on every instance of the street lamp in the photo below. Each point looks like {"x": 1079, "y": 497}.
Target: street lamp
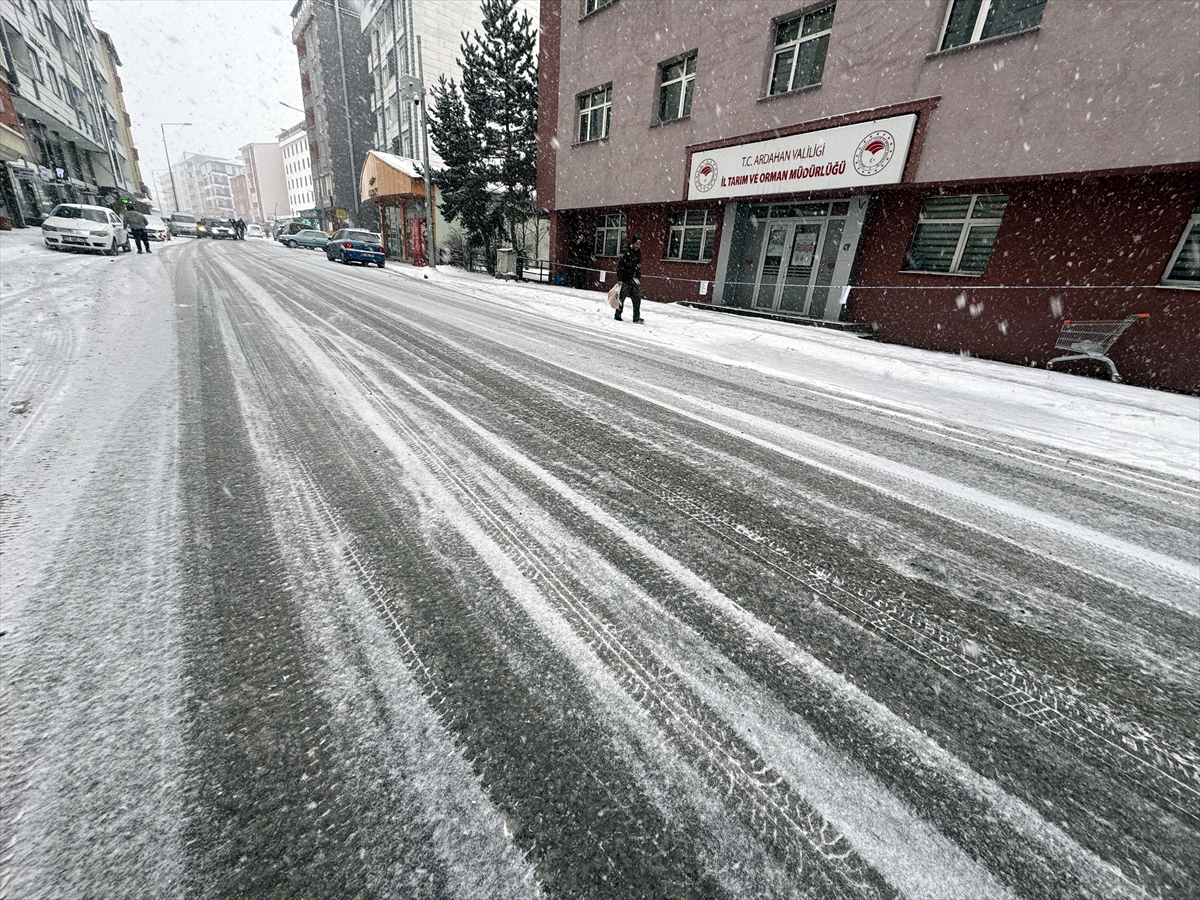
{"x": 163, "y": 127}
{"x": 289, "y": 106}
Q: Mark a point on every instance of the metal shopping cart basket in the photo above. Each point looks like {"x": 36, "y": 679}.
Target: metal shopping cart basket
{"x": 1092, "y": 339}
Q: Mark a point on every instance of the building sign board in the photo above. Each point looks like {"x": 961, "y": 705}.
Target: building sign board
{"x": 848, "y": 156}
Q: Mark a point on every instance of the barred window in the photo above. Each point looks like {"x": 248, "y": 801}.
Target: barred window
{"x": 610, "y": 235}
{"x": 692, "y": 235}
{"x": 676, "y": 82}
{"x": 800, "y": 48}
{"x": 595, "y": 114}
{"x": 970, "y": 21}
{"x": 956, "y": 234}
{"x": 1184, "y": 268}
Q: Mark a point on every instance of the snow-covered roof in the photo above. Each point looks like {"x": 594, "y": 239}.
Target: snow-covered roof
{"x": 407, "y": 165}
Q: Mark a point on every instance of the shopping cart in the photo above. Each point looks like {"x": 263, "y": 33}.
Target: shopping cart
{"x": 1091, "y": 339}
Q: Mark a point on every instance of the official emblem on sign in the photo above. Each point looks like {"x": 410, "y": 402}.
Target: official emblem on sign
{"x": 706, "y": 175}
{"x": 874, "y": 152}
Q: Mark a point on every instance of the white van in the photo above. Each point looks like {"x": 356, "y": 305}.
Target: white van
{"x": 182, "y": 223}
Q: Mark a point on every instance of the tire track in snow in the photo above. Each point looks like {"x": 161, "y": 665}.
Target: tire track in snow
{"x": 820, "y": 856}
{"x": 376, "y": 390}
{"x": 407, "y": 326}
{"x": 428, "y": 772}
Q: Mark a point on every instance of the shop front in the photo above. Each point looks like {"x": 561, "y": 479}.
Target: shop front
{"x": 394, "y": 187}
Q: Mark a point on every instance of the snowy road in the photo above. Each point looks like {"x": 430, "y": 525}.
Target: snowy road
{"x": 333, "y": 582}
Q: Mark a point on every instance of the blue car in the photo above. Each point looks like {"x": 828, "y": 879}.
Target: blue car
{"x": 309, "y": 239}
{"x": 351, "y": 245}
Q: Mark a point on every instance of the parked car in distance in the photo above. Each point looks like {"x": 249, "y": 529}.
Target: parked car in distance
{"x": 309, "y": 239}
{"x": 156, "y": 229}
{"x": 352, "y": 245}
{"x": 77, "y": 226}
{"x": 253, "y": 230}
{"x": 284, "y": 229}
{"x": 218, "y": 229}
{"x": 182, "y": 223}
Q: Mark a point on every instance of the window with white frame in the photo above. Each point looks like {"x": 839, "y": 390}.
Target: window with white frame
{"x": 1184, "y": 268}
{"x": 971, "y": 21}
{"x": 610, "y": 235}
{"x": 800, "y": 47}
{"x": 677, "y": 78}
{"x": 595, "y": 113}
{"x": 590, "y": 6}
{"x": 955, "y": 235}
{"x": 691, "y": 235}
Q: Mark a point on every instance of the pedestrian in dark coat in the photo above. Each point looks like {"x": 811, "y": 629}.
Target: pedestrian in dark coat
{"x": 581, "y": 261}
{"x": 240, "y": 229}
{"x": 629, "y": 275}
{"x": 136, "y": 223}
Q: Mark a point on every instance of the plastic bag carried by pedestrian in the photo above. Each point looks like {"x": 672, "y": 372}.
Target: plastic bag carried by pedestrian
{"x": 614, "y": 295}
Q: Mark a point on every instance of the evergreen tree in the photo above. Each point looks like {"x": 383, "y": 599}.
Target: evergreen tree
{"x": 486, "y": 131}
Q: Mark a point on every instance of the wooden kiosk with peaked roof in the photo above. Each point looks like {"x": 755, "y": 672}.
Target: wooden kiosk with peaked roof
{"x": 393, "y": 184}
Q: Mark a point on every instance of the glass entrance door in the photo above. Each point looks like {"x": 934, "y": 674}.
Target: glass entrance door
{"x": 794, "y": 292}
{"x": 787, "y": 265}
{"x": 770, "y": 264}
{"x": 783, "y": 256}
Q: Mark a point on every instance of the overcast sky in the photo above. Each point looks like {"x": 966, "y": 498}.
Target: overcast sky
{"x": 223, "y": 65}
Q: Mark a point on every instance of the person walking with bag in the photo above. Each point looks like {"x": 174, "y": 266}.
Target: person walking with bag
{"x": 136, "y": 223}
{"x": 629, "y": 274}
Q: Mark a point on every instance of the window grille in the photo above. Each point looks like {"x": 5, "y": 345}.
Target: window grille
{"x": 1184, "y": 267}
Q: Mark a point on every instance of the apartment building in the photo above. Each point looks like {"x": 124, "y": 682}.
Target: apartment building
{"x": 124, "y": 124}
{"x": 332, "y": 53}
{"x": 203, "y": 183}
{"x": 241, "y": 197}
{"x": 961, "y": 175}
{"x": 297, "y": 172}
{"x": 165, "y": 192}
{"x": 392, "y": 28}
{"x": 57, "y": 76}
{"x": 266, "y": 182}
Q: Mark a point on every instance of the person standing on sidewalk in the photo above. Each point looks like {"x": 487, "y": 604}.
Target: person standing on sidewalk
{"x": 136, "y": 223}
{"x": 581, "y": 260}
{"x": 629, "y": 274}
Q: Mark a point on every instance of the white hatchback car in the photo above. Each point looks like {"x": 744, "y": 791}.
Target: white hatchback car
{"x": 156, "y": 229}
{"x": 76, "y": 226}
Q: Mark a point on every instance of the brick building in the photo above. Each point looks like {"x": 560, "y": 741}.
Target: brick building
{"x": 960, "y": 175}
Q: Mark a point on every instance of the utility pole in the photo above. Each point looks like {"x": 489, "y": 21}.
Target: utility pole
{"x": 428, "y": 172}
{"x": 170, "y": 170}
{"x": 412, "y": 87}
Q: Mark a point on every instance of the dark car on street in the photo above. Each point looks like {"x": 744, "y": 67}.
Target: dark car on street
{"x": 309, "y": 239}
{"x": 352, "y": 245}
{"x": 215, "y": 228}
